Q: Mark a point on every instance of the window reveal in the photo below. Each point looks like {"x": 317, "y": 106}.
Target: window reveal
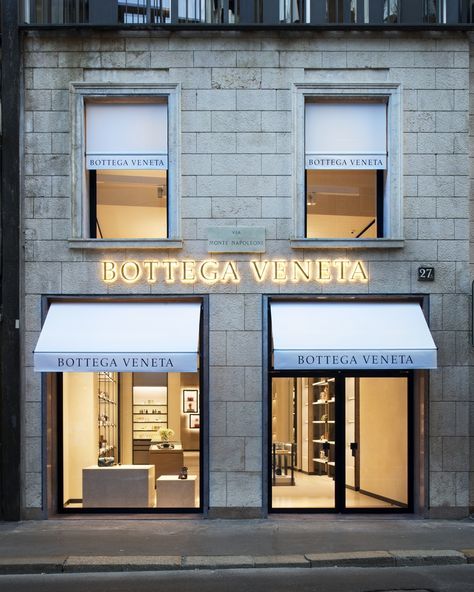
{"x": 345, "y": 162}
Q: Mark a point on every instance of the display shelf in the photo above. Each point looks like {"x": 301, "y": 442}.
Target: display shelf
{"x": 149, "y": 413}
{"x": 323, "y": 428}
{"x": 107, "y": 417}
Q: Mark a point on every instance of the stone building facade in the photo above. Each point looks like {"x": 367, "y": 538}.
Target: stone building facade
{"x": 237, "y": 105}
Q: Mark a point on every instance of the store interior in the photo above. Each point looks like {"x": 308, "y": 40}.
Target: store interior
{"x": 132, "y": 204}
{"x": 130, "y": 440}
{"x": 305, "y": 434}
{"x": 341, "y": 204}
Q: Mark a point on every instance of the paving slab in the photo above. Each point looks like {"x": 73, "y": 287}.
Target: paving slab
{"x": 411, "y": 558}
{"x": 353, "y": 559}
{"x": 285, "y": 535}
{"x": 86, "y": 564}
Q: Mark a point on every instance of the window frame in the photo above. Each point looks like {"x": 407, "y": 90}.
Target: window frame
{"x": 393, "y": 203}
{"x": 80, "y": 217}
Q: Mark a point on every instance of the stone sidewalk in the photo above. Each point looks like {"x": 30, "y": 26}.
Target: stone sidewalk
{"x": 73, "y": 545}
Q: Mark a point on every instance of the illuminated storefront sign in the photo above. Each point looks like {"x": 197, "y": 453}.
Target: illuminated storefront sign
{"x": 211, "y": 271}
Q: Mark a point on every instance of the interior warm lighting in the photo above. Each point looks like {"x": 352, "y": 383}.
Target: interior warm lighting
{"x": 132, "y": 204}
{"x": 210, "y": 271}
{"x": 306, "y": 433}
{"x": 341, "y": 204}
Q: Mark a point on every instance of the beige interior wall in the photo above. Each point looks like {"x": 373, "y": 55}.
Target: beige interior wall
{"x": 127, "y": 222}
{"x": 383, "y": 437}
{"x": 80, "y": 432}
{"x": 126, "y": 418}
{"x": 174, "y": 404}
{"x": 281, "y": 409}
{"x": 306, "y": 417}
{"x": 189, "y": 437}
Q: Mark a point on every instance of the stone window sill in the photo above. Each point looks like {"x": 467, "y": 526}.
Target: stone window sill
{"x": 120, "y": 244}
{"x": 374, "y": 243}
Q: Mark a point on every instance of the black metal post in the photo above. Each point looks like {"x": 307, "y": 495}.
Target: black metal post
{"x": 247, "y": 12}
{"x": 411, "y": 12}
{"x": 271, "y": 12}
{"x": 10, "y": 263}
{"x": 376, "y": 8}
{"x": 360, "y": 12}
{"x": 317, "y": 12}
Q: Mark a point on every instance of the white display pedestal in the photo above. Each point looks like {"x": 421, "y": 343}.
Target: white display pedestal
{"x": 172, "y": 492}
{"x": 120, "y": 486}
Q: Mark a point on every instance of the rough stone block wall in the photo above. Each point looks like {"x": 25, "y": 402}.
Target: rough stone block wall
{"x": 471, "y": 259}
{"x": 237, "y": 167}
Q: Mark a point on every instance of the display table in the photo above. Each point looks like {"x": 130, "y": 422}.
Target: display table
{"x": 120, "y": 486}
{"x": 167, "y": 461}
{"x": 172, "y": 492}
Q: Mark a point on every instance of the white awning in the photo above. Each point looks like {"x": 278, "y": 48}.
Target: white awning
{"x": 350, "y": 336}
{"x": 119, "y": 337}
{"x": 126, "y": 136}
{"x": 346, "y": 136}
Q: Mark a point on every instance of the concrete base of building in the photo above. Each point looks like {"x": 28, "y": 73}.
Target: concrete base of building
{"x": 236, "y": 513}
{"x": 445, "y": 513}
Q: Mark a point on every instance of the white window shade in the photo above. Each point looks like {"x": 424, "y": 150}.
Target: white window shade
{"x": 346, "y": 135}
{"x": 126, "y": 136}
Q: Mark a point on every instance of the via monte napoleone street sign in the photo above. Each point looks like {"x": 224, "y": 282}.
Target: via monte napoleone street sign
{"x": 236, "y": 239}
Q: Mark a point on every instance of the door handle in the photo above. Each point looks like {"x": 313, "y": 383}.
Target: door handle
{"x": 354, "y": 447}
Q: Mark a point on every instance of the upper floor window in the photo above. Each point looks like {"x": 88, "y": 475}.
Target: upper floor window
{"x": 345, "y": 169}
{"x": 127, "y": 168}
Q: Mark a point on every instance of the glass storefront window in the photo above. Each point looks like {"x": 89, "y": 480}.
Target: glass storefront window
{"x": 342, "y": 204}
{"x": 339, "y": 443}
{"x": 130, "y": 204}
{"x": 376, "y": 442}
{"x": 130, "y": 440}
{"x": 346, "y": 173}
{"x": 303, "y": 443}
{"x": 127, "y": 168}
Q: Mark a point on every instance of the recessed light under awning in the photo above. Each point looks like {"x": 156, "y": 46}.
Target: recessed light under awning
{"x": 119, "y": 337}
{"x": 350, "y": 336}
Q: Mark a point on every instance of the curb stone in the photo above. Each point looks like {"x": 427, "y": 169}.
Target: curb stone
{"x": 128, "y": 563}
{"x": 469, "y": 553}
{"x": 353, "y": 559}
{"x": 281, "y": 561}
{"x": 217, "y": 562}
{"x": 36, "y": 565}
{"x": 97, "y": 563}
{"x": 429, "y": 557}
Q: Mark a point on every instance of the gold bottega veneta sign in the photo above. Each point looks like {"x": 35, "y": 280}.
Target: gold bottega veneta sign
{"x": 211, "y": 271}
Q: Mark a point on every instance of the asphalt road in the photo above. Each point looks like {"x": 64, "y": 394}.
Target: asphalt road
{"x": 423, "y": 579}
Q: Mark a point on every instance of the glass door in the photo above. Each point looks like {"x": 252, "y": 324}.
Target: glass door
{"x": 303, "y": 443}
{"x": 340, "y": 443}
{"x": 376, "y": 442}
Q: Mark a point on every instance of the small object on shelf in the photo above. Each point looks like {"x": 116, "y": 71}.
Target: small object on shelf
{"x": 183, "y": 474}
{"x": 105, "y": 461}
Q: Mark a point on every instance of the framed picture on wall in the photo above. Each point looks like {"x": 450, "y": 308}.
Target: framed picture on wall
{"x": 190, "y": 401}
{"x": 194, "y": 423}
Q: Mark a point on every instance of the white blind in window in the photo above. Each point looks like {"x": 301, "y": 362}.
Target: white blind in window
{"x": 346, "y": 136}
{"x": 126, "y": 136}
